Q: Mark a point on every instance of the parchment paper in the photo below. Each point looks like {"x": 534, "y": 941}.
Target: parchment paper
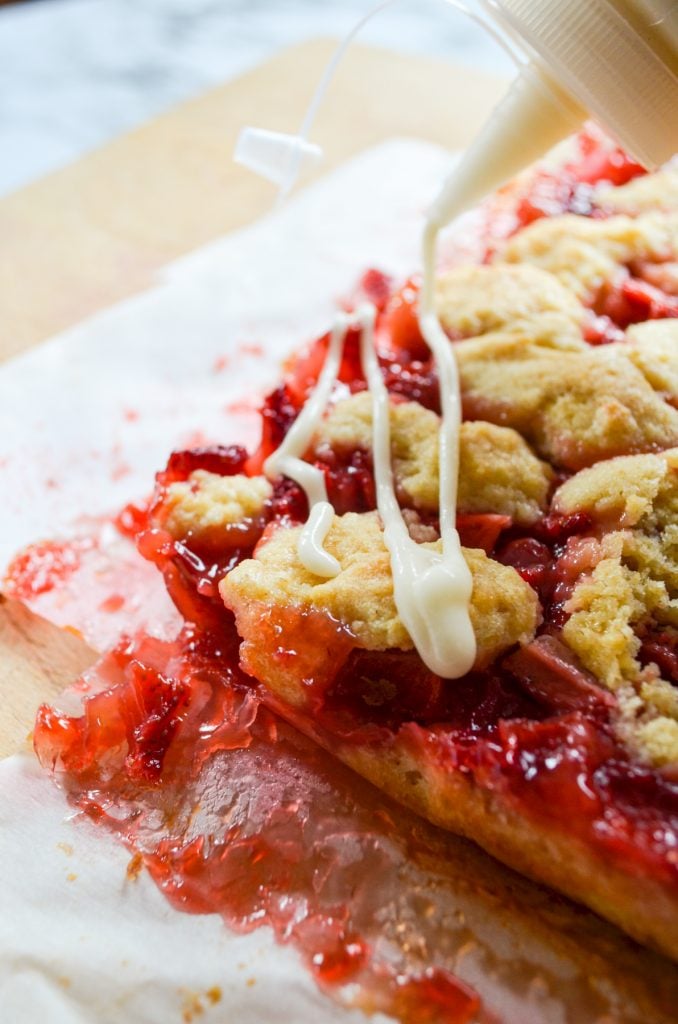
{"x": 85, "y": 421}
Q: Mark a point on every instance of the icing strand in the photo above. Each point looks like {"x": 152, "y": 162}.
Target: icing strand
{"x": 312, "y": 554}
{"x": 287, "y": 459}
{"x": 450, "y": 394}
{"x": 431, "y": 590}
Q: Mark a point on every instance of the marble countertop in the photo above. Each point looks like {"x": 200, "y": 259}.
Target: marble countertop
{"x": 74, "y": 73}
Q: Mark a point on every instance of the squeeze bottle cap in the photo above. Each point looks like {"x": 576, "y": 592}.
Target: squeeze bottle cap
{"x": 276, "y": 156}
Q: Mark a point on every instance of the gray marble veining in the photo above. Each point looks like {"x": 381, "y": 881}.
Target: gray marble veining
{"x": 74, "y": 73}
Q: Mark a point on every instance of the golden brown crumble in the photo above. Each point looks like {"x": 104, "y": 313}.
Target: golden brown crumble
{"x": 504, "y": 609}
{"x": 498, "y": 472}
{"x": 575, "y": 406}
{"x": 206, "y": 503}
{"x": 653, "y": 347}
{"x": 633, "y": 584}
{"x": 648, "y": 192}
{"x": 585, "y": 253}
{"x": 475, "y": 300}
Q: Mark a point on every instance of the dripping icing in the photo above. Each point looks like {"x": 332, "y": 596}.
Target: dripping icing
{"x": 431, "y": 589}
{"x": 287, "y": 459}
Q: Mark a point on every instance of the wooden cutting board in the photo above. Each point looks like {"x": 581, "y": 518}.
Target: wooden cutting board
{"x": 98, "y": 230}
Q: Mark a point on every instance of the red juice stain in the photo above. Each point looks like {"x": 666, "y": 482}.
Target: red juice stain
{"x": 232, "y": 811}
{"x": 241, "y": 406}
{"x": 220, "y": 364}
{"x": 195, "y": 439}
{"x": 130, "y": 415}
{"x": 113, "y": 603}
{"x": 42, "y": 566}
{"x": 251, "y": 348}
{"x": 120, "y": 470}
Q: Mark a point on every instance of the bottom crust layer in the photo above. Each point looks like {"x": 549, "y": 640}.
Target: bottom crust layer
{"x": 646, "y": 909}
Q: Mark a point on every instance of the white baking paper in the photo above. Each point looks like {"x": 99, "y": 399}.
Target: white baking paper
{"x": 85, "y": 421}
{"x": 88, "y": 417}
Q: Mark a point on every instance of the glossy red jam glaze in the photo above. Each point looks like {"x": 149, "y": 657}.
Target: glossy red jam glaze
{"x": 516, "y": 721}
{"x": 234, "y": 813}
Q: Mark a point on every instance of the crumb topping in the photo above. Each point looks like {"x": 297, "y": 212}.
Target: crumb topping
{"x": 504, "y": 609}
{"x": 649, "y": 192}
{"x": 633, "y": 585}
{"x": 575, "y": 407}
{"x": 653, "y": 347}
{"x": 206, "y": 503}
{"x": 585, "y": 253}
{"x": 475, "y": 300}
{"x": 498, "y": 472}
{"x": 618, "y": 491}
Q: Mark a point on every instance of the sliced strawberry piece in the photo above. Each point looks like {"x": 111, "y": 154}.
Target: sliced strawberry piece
{"x": 631, "y": 301}
{"x": 660, "y": 650}
{"x": 550, "y": 672}
{"x": 481, "y": 529}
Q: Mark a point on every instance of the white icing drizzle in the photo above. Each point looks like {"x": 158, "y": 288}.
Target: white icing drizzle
{"x": 287, "y": 460}
{"x": 310, "y": 549}
{"x": 431, "y": 589}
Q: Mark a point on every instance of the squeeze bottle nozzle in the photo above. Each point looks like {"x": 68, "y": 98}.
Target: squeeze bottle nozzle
{"x": 534, "y": 115}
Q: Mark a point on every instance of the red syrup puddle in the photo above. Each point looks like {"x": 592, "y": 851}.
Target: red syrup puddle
{"x": 234, "y": 812}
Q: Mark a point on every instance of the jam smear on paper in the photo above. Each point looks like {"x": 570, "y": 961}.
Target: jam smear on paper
{"x": 234, "y": 812}
{"x": 44, "y": 566}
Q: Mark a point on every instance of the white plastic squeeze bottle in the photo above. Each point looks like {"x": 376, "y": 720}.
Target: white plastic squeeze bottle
{"x": 613, "y": 60}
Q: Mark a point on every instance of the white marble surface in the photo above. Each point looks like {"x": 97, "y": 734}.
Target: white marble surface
{"x": 74, "y": 73}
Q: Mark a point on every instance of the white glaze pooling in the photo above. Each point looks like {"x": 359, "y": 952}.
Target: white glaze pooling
{"x": 287, "y": 460}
